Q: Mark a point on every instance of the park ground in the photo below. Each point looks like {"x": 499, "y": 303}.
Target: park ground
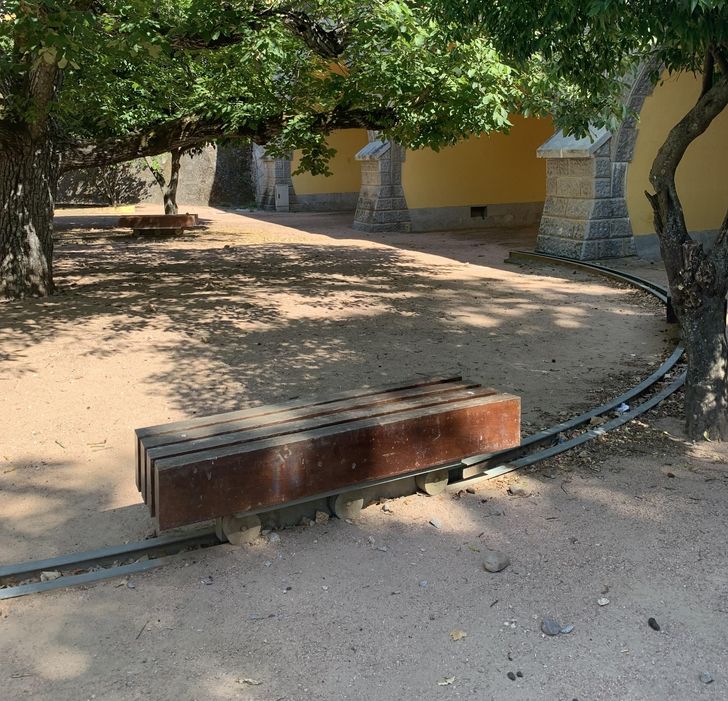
{"x": 261, "y": 308}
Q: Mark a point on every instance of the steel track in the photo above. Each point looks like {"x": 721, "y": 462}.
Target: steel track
{"x": 92, "y": 566}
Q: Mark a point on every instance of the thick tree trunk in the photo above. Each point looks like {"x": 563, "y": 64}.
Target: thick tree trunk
{"x": 28, "y": 177}
{"x": 698, "y": 288}
{"x": 170, "y": 192}
{"x": 706, "y": 393}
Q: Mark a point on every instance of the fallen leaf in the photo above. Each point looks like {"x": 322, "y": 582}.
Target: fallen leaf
{"x": 247, "y": 680}
{"x": 446, "y": 681}
{"x": 458, "y": 634}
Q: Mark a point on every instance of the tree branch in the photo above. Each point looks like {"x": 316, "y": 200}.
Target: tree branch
{"x": 708, "y": 71}
{"x": 689, "y": 128}
{"x": 325, "y": 39}
{"x": 669, "y": 216}
{"x": 721, "y": 60}
{"x": 188, "y": 132}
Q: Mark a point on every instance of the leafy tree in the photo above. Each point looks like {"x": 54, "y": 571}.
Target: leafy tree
{"x": 169, "y": 186}
{"x": 583, "y": 50}
{"x": 94, "y": 82}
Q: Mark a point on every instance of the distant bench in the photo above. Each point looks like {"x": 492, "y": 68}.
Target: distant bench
{"x": 258, "y": 459}
{"x": 156, "y": 224}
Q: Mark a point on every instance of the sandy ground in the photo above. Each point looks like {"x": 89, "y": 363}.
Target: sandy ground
{"x": 256, "y": 310}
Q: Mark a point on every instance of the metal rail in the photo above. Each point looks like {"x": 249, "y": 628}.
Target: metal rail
{"x": 155, "y": 552}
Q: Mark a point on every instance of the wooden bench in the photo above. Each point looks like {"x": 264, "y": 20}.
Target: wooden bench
{"x": 271, "y": 456}
{"x": 158, "y": 224}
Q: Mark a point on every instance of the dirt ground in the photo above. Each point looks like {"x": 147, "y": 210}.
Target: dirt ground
{"x": 262, "y": 308}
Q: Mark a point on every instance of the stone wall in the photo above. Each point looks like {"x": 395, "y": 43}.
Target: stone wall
{"x": 218, "y": 176}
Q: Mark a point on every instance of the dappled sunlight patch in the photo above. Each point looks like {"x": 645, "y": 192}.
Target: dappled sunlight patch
{"x": 62, "y": 662}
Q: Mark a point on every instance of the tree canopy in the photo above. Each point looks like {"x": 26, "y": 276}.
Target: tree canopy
{"x": 134, "y": 76}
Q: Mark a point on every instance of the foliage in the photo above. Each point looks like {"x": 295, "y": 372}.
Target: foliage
{"x": 584, "y": 49}
{"x": 268, "y": 70}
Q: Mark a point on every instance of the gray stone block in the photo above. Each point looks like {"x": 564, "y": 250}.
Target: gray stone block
{"x": 621, "y": 228}
{"x": 602, "y": 167}
{"x": 579, "y": 209}
{"x": 582, "y": 167}
{"x": 556, "y": 167}
{"x": 619, "y": 179}
{"x": 608, "y": 248}
{"x": 559, "y": 247}
{"x": 598, "y": 229}
{"x": 601, "y": 187}
{"x": 555, "y": 206}
{"x": 625, "y": 146}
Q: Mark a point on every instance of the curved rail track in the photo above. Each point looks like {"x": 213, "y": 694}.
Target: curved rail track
{"x": 123, "y": 560}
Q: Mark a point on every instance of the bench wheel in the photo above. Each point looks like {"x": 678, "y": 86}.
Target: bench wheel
{"x": 347, "y": 505}
{"x": 238, "y": 530}
{"x": 432, "y": 483}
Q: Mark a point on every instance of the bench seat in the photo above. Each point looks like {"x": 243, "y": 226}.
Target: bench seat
{"x": 261, "y": 458}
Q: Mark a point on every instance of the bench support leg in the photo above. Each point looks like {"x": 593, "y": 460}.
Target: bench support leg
{"x": 347, "y": 505}
{"x": 432, "y": 483}
{"x": 238, "y": 530}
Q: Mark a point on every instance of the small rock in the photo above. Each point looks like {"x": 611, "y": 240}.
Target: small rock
{"x": 423, "y": 583}
{"x": 436, "y": 522}
{"x": 446, "y": 681}
{"x": 519, "y": 674}
{"x": 322, "y": 517}
{"x": 565, "y": 630}
{"x": 49, "y": 575}
{"x": 495, "y": 561}
{"x": 470, "y": 490}
{"x": 274, "y": 538}
{"x": 597, "y": 420}
{"x": 511, "y": 676}
{"x": 382, "y": 548}
{"x": 550, "y": 626}
{"x": 305, "y": 521}
{"x": 652, "y": 623}
{"x": 370, "y": 539}
{"x": 706, "y": 677}
{"x": 130, "y": 585}
{"x": 386, "y": 508}
{"x": 206, "y": 580}
{"x": 516, "y": 491}
{"x": 603, "y": 601}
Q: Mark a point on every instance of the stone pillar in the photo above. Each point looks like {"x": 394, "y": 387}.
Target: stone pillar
{"x": 270, "y": 172}
{"x": 382, "y": 205}
{"x": 585, "y": 215}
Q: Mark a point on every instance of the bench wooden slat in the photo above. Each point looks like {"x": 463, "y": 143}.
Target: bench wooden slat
{"x": 179, "y": 427}
{"x": 198, "y": 486}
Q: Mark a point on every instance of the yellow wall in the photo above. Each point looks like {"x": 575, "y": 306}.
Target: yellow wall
{"x": 490, "y": 169}
{"x": 346, "y": 170}
{"x": 701, "y": 177}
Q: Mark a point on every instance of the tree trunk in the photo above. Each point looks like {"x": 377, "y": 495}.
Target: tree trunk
{"x": 706, "y": 395}
{"x": 170, "y": 192}
{"x": 28, "y": 178}
{"x": 698, "y": 288}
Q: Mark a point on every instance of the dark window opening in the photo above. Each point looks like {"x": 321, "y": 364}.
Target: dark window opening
{"x": 478, "y": 212}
